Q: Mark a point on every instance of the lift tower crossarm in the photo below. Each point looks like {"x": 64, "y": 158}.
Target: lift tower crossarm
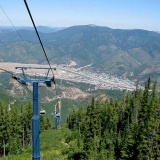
{"x": 24, "y": 80}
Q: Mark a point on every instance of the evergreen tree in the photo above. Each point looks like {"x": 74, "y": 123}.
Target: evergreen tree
{"x": 4, "y": 130}
{"x": 144, "y": 124}
{"x": 128, "y": 129}
{"x": 26, "y": 122}
{"x": 154, "y": 136}
{"x": 45, "y": 123}
{"x": 15, "y": 132}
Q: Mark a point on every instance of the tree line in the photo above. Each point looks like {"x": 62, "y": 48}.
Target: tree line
{"x": 112, "y": 129}
{"x": 15, "y": 128}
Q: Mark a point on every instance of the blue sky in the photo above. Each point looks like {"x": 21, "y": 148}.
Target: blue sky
{"x": 122, "y": 14}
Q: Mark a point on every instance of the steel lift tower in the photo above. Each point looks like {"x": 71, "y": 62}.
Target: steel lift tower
{"x": 35, "y": 115}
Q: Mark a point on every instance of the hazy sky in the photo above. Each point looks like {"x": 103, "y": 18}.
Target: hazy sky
{"x": 122, "y": 14}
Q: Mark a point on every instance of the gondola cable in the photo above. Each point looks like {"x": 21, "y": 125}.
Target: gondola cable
{"x": 53, "y": 78}
{"x": 6, "y": 71}
{"x": 13, "y": 76}
{"x": 11, "y": 22}
{"x": 14, "y": 29}
{"x": 2, "y": 42}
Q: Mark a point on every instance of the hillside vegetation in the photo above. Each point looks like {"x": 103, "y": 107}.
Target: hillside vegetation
{"x": 111, "y": 129}
{"x": 126, "y": 129}
{"x": 71, "y": 94}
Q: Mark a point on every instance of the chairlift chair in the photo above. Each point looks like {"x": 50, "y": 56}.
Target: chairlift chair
{"x": 42, "y": 112}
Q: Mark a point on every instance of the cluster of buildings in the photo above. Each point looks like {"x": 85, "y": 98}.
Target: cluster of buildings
{"x": 99, "y": 80}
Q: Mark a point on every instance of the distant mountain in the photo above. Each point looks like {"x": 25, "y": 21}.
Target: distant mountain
{"x": 43, "y": 29}
{"x": 157, "y": 31}
{"x": 130, "y": 53}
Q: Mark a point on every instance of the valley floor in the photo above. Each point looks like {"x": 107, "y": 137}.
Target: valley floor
{"x": 66, "y": 72}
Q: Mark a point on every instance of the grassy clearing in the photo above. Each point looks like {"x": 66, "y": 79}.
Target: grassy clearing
{"x": 51, "y": 146}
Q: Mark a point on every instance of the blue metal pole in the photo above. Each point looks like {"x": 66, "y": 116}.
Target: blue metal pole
{"x": 56, "y": 122}
{"x": 35, "y": 124}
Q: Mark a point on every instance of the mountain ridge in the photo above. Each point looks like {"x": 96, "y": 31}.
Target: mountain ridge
{"x": 121, "y": 52}
{"x": 43, "y": 29}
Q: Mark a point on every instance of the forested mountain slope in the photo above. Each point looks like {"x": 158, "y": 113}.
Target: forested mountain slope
{"x": 112, "y": 129}
{"x": 126, "y": 129}
{"x": 131, "y": 53}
